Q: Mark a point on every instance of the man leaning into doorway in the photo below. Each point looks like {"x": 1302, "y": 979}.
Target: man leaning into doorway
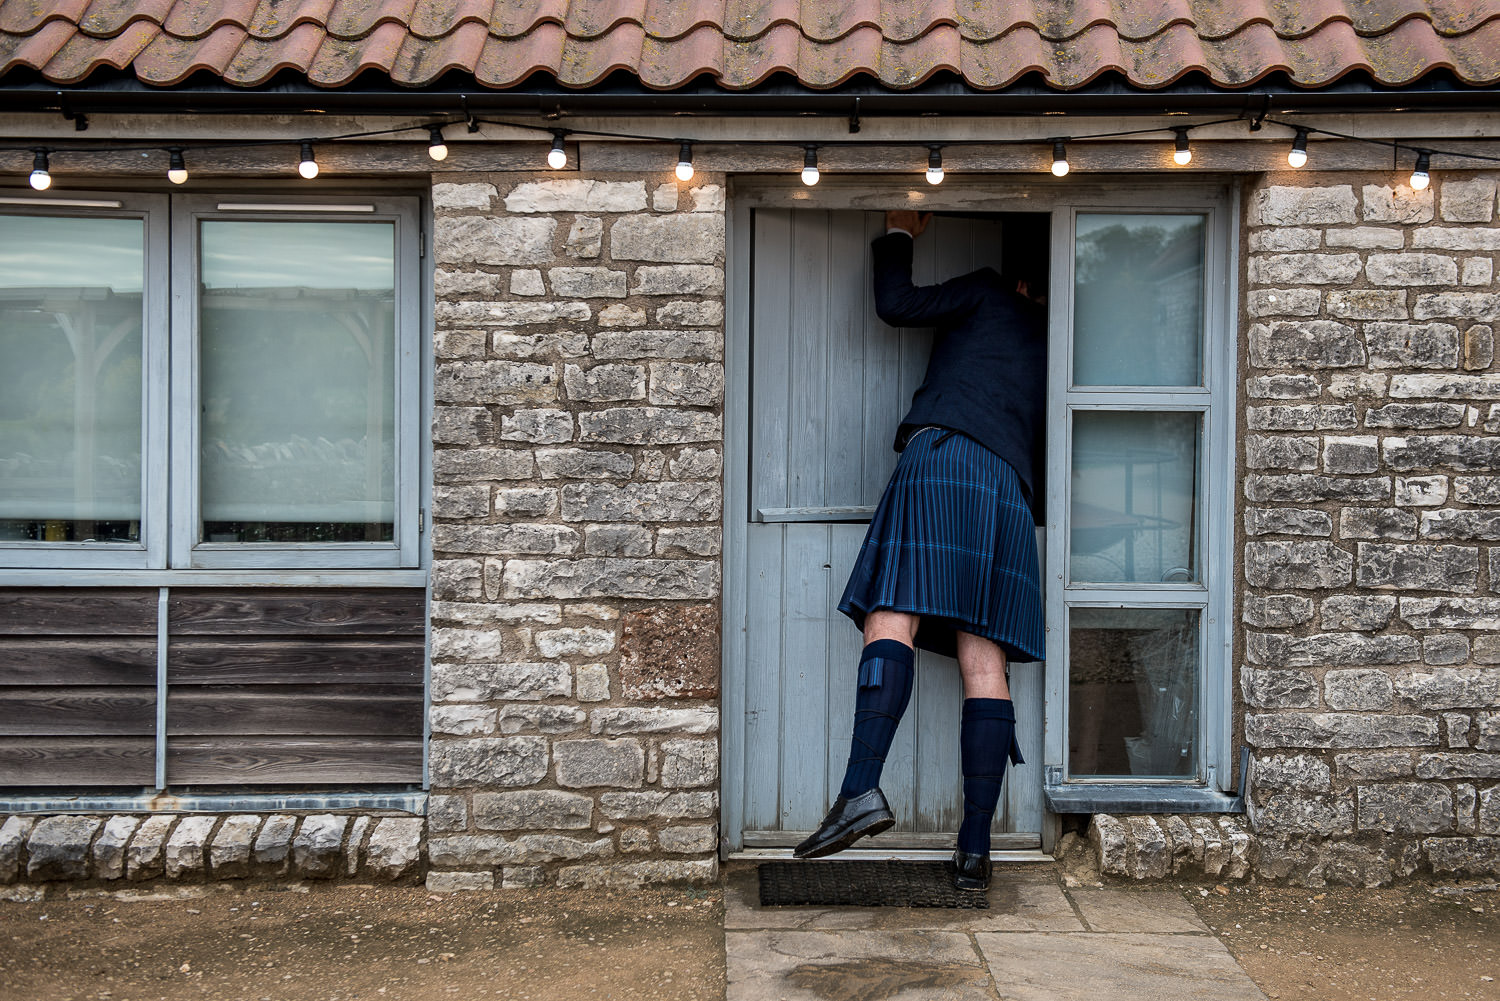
{"x": 949, "y": 563}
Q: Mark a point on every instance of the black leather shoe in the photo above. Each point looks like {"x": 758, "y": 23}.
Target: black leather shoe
{"x": 848, "y": 820}
{"x": 970, "y": 871}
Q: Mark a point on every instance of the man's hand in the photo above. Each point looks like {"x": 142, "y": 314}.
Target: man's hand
{"x": 911, "y": 222}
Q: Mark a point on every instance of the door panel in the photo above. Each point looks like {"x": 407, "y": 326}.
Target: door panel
{"x": 829, "y": 382}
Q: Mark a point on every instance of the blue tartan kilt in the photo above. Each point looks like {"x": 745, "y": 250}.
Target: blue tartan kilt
{"x": 952, "y": 541}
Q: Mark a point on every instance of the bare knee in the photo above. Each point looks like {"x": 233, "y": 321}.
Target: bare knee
{"x": 888, "y": 625}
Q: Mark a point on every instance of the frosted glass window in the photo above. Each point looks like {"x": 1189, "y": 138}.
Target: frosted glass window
{"x": 1134, "y": 511}
{"x": 1133, "y": 692}
{"x": 297, "y": 381}
{"x": 71, "y": 327}
{"x": 1138, "y": 300}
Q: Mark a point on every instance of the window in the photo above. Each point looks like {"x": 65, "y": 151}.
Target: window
{"x": 1138, "y": 506}
{"x": 267, "y": 418}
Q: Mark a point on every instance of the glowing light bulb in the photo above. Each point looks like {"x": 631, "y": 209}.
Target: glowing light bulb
{"x": 935, "y": 165}
{"x": 176, "y": 168}
{"x": 557, "y": 157}
{"x": 685, "y": 162}
{"x": 308, "y": 168}
{"x": 40, "y": 178}
{"x": 1298, "y": 155}
{"x": 810, "y": 166}
{"x": 1419, "y": 178}
{"x": 1059, "y": 159}
{"x": 436, "y": 148}
{"x": 1182, "y": 155}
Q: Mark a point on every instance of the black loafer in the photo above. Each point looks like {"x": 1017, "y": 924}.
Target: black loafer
{"x": 970, "y": 871}
{"x": 848, "y": 820}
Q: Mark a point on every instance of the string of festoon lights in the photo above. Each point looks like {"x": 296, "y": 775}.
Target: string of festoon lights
{"x": 557, "y": 155}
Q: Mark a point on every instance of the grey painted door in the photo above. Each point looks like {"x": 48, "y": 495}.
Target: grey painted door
{"x": 829, "y": 383}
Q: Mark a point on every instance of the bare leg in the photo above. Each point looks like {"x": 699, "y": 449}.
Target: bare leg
{"x": 898, "y": 626}
{"x": 982, "y": 664}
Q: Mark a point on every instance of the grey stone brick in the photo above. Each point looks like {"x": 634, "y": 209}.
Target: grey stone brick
{"x": 526, "y": 502}
{"x": 229, "y": 852}
{"x": 1274, "y": 302}
{"x": 543, "y": 719}
{"x": 1373, "y": 766}
{"x": 488, "y": 761}
{"x": 1377, "y": 523}
{"x": 447, "y": 813}
{"x": 1305, "y": 344}
{"x": 614, "y": 345}
{"x": 604, "y": 383}
{"x": 699, "y": 384}
{"x": 1406, "y": 270}
{"x": 186, "y": 853}
{"x": 696, "y": 463}
{"x": 1414, "y": 566}
{"x": 678, "y": 239}
{"x": 459, "y": 344}
{"x": 1278, "y": 689}
{"x": 469, "y": 501}
{"x": 1468, "y": 200}
{"x": 317, "y": 848}
{"x": 1280, "y": 205}
{"x": 1405, "y": 808}
{"x": 1467, "y": 765}
{"x": 650, "y": 426}
{"x": 540, "y": 427}
{"x": 1304, "y": 417}
{"x": 1366, "y": 238}
{"x": 1466, "y": 524}
{"x": 461, "y": 720}
{"x": 1350, "y": 455}
{"x": 617, "y": 540}
{"x": 532, "y": 809}
{"x": 1300, "y": 813}
{"x": 1339, "y": 730}
{"x": 1308, "y": 488}
{"x": 653, "y": 804}
{"x": 58, "y": 847}
{"x": 1477, "y": 351}
{"x": 271, "y": 854}
{"x": 447, "y": 197}
{"x": 1421, "y": 491}
{"x": 1467, "y": 305}
{"x": 618, "y": 314}
{"x": 1479, "y": 856}
{"x": 587, "y": 283}
{"x": 688, "y": 542}
{"x": 507, "y": 314}
{"x": 664, "y": 198}
{"x": 583, "y": 464}
{"x": 1489, "y": 810}
{"x": 1478, "y": 271}
{"x": 480, "y": 464}
{"x": 489, "y": 682}
{"x": 459, "y": 882}
{"x": 1329, "y": 649}
{"x": 1279, "y": 452}
{"x": 687, "y": 763}
{"x": 527, "y": 281}
{"x": 1451, "y": 613}
{"x": 574, "y": 642}
{"x": 108, "y": 852}
{"x": 1446, "y": 387}
{"x": 1477, "y": 490}
{"x": 505, "y": 540}
{"x": 1450, "y": 687}
{"x": 1412, "y": 345}
{"x": 708, "y": 198}
{"x": 518, "y": 877}
{"x": 679, "y": 279}
{"x": 632, "y": 874}
{"x": 143, "y": 856}
{"x": 1367, "y": 303}
{"x": 506, "y": 383}
{"x": 1304, "y": 269}
{"x": 1276, "y": 611}
{"x": 577, "y": 195}
{"x": 469, "y": 645}
{"x": 1285, "y": 238}
{"x": 592, "y": 683}
{"x": 1486, "y": 649}
{"x": 688, "y": 839}
{"x": 625, "y": 720}
{"x": 1359, "y": 612}
{"x": 582, "y": 764}
{"x": 1291, "y": 771}
{"x": 1456, "y": 727}
{"x": 1415, "y": 415}
{"x": 463, "y": 426}
{"x": 605, "y": 577}
{"x": 667, "y": 501}
{"x": 1283, "y": 387}
{"x": 1401, "y": 204}
{"x": 691, "y": 314}
{"x": 523, "y": 347}
{"x": 1296, "y": 565}
{"x": 488, "y": 615}
{"x": 1357, "y": 386}
{"x": 1464, "y": 803}
{"x": 1358, "y": 689}
{"x": 470, "y": 240}
{"x": 395, "y": 848}
{"x": 585, "y": 237}
{"x": 1456, "y": 238}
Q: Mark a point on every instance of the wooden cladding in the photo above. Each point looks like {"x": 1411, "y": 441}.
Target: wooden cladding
{"x": 264, "y": 687}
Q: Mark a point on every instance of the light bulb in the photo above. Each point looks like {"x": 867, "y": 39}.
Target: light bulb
{"x": 1182, "y": 155}
{"x": 1419, "y": 178}
{"x": 810, "y": 166}
{"x": 40, "y": 178}
{"x": 557, "y": 157}
{"x": 176, "y": 168}
{"x": 1059, "y": 159}
{"x": 685, "y": 162}
{"x": 436, "y": 148}
{"x": 935, "y": 165}
{"x": 1298, "y": 155}
{"x": 308, "y": 168}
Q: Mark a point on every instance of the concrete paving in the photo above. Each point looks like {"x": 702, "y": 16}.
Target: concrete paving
{"x": 1038, "y": 940}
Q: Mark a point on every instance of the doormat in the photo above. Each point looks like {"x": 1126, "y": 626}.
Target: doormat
{"x": 863, "y": 884}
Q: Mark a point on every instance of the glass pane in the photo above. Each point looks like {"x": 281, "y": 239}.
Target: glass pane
{"x": 70, "y": 379}
{"x": 1134, "y": 513}
{"x": 1133, "y": 692}
{"x": 297, "y": 381}
{"x": 1138, "y": 300}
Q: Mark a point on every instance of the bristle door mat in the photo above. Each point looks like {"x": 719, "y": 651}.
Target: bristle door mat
{"x": 863, "y": 884}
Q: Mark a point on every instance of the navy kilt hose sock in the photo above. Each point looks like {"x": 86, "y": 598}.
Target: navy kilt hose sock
{"x": 885, "y": 681}
{"x": 985, "y": 738}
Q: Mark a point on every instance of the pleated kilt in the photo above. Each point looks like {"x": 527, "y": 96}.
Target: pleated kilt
{"x": 953, "y": 541}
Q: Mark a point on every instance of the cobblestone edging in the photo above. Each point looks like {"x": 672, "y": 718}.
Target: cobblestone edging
{"x": 198, "y": 847}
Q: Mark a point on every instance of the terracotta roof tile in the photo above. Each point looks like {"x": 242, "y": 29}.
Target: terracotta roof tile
{"x": 741, "y": 43}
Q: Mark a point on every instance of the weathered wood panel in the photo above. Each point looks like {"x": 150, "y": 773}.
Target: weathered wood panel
{"x": 284, "y": 612}
{"x": 73, "y": 762}
{"x": 248, "y": 661}
{"x": 303, "y": 710}
{"x": 75, "y": 710}
{"x": 123, "y": 660}
{"x": 291, "y": 761}
{"x": 78, "y": 612}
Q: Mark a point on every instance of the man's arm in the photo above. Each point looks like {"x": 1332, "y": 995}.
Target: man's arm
{"x": 899, "y": 302}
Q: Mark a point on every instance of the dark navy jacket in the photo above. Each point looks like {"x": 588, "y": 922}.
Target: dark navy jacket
{"x": 986, "y": 376}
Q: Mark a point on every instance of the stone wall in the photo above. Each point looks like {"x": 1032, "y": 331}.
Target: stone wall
{"x": 577, "y": 438}
{"x": 1371, "y": 470}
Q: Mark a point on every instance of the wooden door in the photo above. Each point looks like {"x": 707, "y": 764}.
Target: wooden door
{"x": 829, "y": 384}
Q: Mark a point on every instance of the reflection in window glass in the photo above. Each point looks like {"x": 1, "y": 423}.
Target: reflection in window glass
{"x": 1138, "y": 300}
{"x": 1133, "y": 692}
{"x": 70, "y": 385}
{"x": 297, "y": 382}
{"x": 1134, "y": 513}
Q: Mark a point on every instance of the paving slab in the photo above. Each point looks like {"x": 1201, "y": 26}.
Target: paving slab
{"x": 854, "y": 966}
{"x": 1052, "y": 966}
{"x": 1154, "y": 911}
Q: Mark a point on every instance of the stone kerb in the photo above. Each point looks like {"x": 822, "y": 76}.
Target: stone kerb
{"x": 1370, "y": 666}
{"x": 577, "y": 436}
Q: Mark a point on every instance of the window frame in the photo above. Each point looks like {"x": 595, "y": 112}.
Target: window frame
{"x": 1207, "y": 789}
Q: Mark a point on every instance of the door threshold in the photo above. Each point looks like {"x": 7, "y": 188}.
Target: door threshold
{"x": 886, "y": 855}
